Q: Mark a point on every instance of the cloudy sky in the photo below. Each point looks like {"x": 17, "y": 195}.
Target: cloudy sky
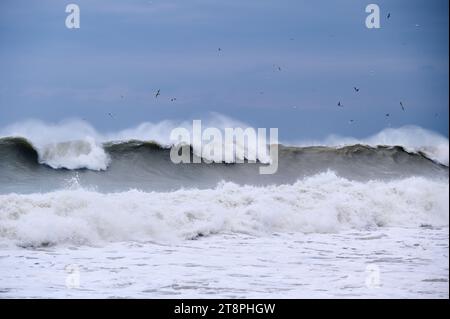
{"x": 281, "y": 63}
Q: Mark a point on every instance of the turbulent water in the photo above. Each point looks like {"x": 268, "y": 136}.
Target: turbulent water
{"x": 376, "y": 201}
{"x": 119, "y": 166}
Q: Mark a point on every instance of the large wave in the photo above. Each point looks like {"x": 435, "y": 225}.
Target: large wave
{"x": 323, "y": 203}
{"x": 410, "y": 137}
{"x": 75, "y": 144}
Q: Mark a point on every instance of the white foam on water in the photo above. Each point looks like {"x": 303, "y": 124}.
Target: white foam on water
{"x": 71, "y": 144}
{"x": 387, "y": 262}
{"x": 74, "y": 155}
{"x": 324, "y": 203}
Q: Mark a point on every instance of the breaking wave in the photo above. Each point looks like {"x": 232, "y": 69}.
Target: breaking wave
{"x": 75, "y": 144}
{"x": 412, "y": 138}
{"x": 324, "y": 203}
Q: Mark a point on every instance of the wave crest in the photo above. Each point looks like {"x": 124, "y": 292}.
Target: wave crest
{"x": 412, "y": 138}
{"x": 74, "y": 155}
{"x": 75, "y": 144}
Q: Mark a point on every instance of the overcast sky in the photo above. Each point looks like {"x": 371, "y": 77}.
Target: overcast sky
{"x": 133, "y": 48}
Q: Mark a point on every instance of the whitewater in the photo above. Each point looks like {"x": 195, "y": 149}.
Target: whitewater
{"x": 75, "y": 144}
{"x": 85, "y": 214}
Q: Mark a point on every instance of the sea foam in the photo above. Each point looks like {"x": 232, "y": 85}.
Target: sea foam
{"x": 324, "y": 203}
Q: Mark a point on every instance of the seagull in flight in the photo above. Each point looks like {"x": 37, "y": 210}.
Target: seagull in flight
{"x": 356, "y": 89}
{"x": 157, "y": 93}
{"x": 401, "y": 104}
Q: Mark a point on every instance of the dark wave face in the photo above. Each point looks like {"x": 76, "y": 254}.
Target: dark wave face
{"x": 147, "y": 166}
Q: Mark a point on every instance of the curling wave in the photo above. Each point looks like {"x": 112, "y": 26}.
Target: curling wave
{"x": 89, "y": 154}
{"x": 119, "y": 166}
{"x": 36, "y": 156}
{"x": 75, "y": 144}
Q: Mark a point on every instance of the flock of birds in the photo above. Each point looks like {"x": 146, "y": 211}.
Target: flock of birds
{"x": 278, "y": 68}
{"x": 158, "y": 93}
{"x": 356, "y": 89}
{"x": 387, "y": 115}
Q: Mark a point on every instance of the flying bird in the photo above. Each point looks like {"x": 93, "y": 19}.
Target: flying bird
{"x": 157, "y": 93}
{"x": 173, "y": 99}
{"x": 339, "y": 104}
{"x": 401, "y": 104}
{"x": 351, "y": 121}
{"x": 356, "y": 89}
{"x": 389, "y": 15}
{"x": 111, "y": 115}
{"x": 387, "y": 115}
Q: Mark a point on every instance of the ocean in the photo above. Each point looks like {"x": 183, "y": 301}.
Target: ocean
{"x": 84, "y": 215}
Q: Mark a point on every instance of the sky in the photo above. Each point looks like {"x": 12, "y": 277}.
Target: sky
{"x": 281, "y": 63}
